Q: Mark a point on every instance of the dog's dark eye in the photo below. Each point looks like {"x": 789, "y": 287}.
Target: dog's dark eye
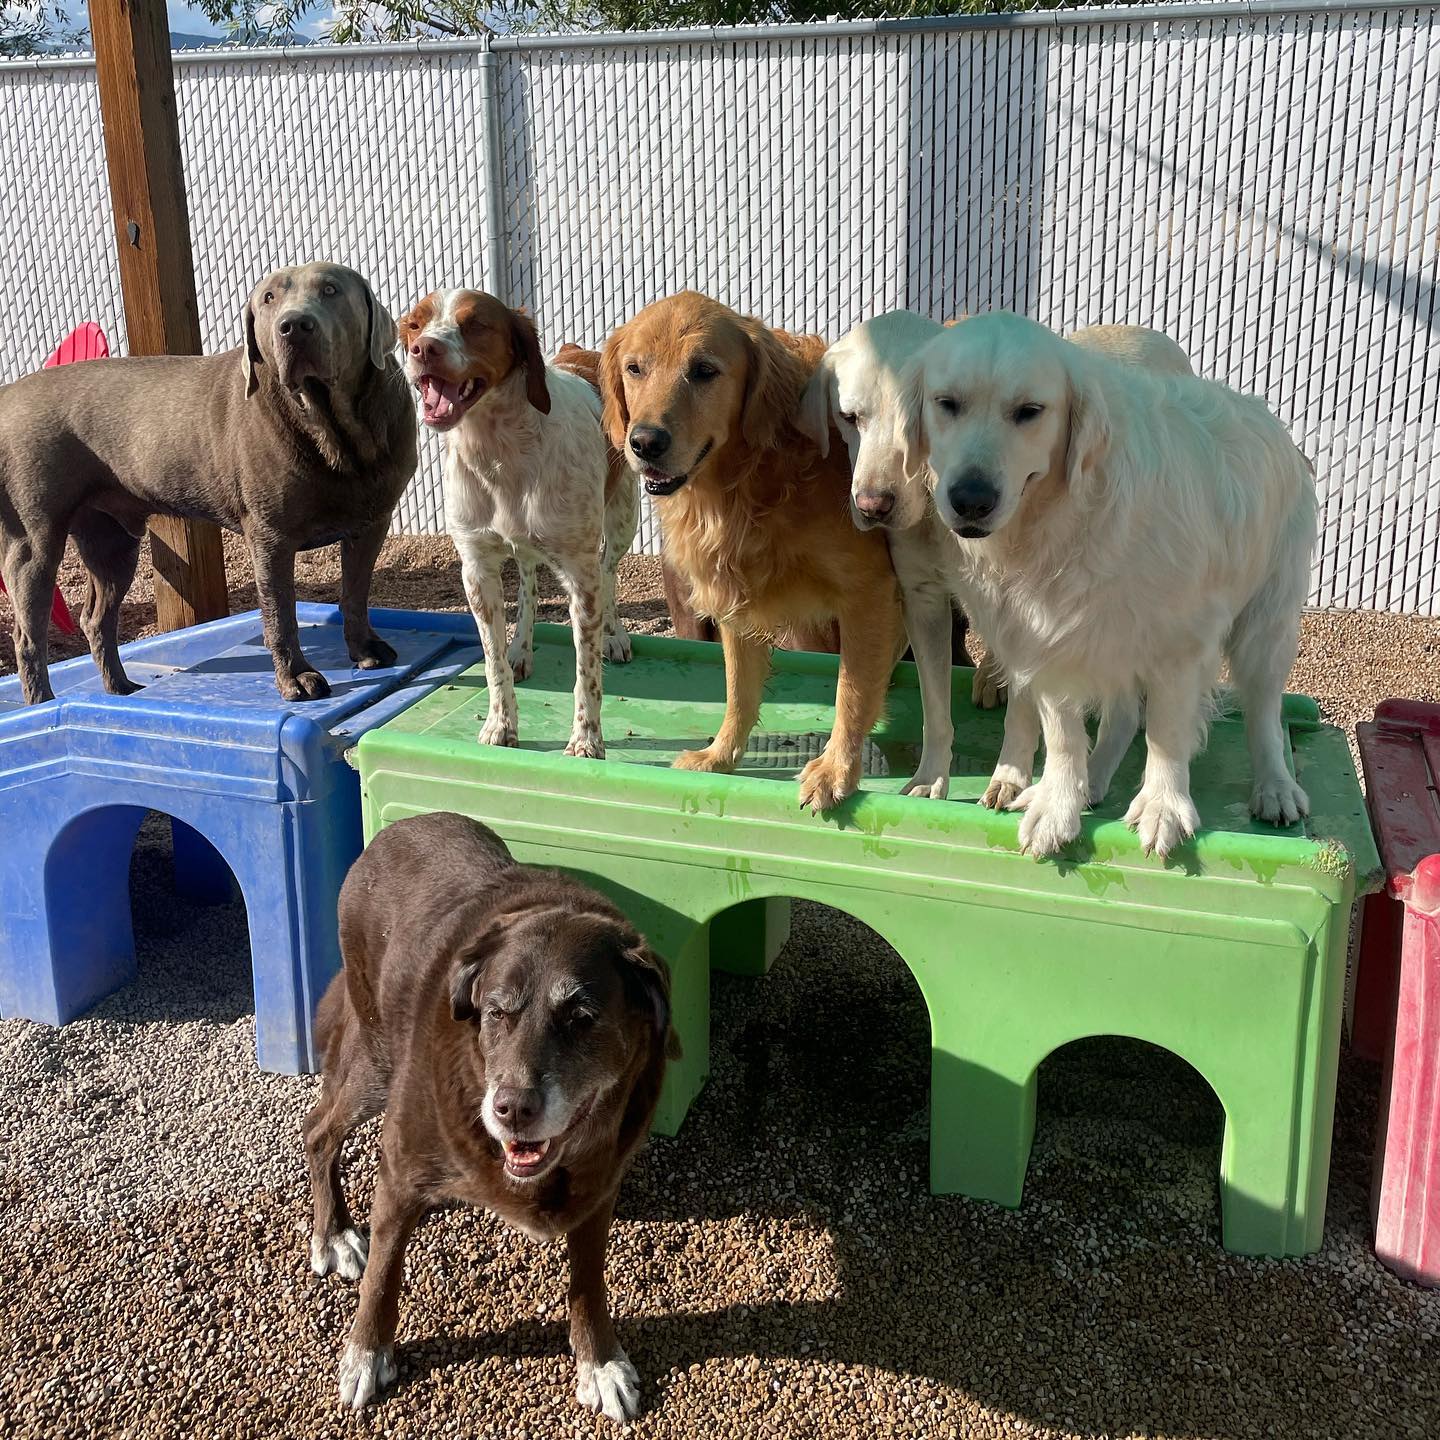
{"x": 850, "y": 418}
{"x": 327, "y": 289}
{"x": 947, "y": 404}
{"x": 703, "y": 370}
{"x": 1027, "y": 412}
{"x": 632, "y": 368}
{"x": 580, "y": 1019}
{"x": 269, "y": 296}
{"x": 494, "y": 1014}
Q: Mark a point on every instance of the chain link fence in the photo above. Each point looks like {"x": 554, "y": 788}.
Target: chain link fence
{"x": 1258, "y": 180}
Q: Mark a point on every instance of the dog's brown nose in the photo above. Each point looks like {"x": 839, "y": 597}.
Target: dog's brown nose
{"x": 517, "y": 1108}
{"x": 875, "y": 506}
{"x": 425, "y": 349}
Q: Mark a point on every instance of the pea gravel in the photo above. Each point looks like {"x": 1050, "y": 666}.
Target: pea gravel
{"x": 777, "y": 1270}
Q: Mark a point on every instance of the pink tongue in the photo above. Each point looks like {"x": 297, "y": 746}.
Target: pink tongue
{"x": 439, "y": 397}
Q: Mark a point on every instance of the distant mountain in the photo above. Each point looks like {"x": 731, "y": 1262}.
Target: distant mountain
{"x": 179, "y": 40}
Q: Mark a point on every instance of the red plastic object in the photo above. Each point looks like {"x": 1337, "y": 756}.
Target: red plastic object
{"x": 84, "y": 342}
{"x": 60, "y": 616}
{"x": 1397, "y": 985}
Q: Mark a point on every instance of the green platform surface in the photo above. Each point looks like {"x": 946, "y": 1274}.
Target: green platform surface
{"x": 671, "y": 697}
{"x": 1230, "y": 953}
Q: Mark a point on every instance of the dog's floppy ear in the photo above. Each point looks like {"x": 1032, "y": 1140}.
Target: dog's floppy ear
{"x": 1089, "y": 437}
{"x": 910, "y": 418}
{"x": 647, "y": 980}
{"x": 382, "y": 329}
{"x": 614, "y": 413}
{"x": 467, "y": 976}
{"x": 249, "y": 352}
{"x": 812, "y": 415}
{"x": 773, "y": 383}
{"x": 526, "y": 344}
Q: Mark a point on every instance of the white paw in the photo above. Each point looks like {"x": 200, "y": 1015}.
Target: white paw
{"x": 344, "y": 1253}
{"x": 930, "y": 781}
{"x": 617, "y": 647}
{"x": 612, "y": 1388}
{"x": 1052, "y": 819}
{"x": 1162, "y": 821}
{"x": 364, "y": 1374}
{"x": 1005, "y": 787}
{"x": 521, "y": 661}
{"x": 1279, "y": 800}
{"x": 587, "y": 741}
{"x": 497, "y": 730}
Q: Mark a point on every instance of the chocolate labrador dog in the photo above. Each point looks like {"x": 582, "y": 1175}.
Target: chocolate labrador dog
{"x": 514, "y": 1027}
{"x": 303, "y": 435}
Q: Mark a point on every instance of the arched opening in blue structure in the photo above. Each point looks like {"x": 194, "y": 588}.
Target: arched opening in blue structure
{"x": 834, "y": 1043}
{"x": 142, "y": 909}
{"x": 1128, "y": 1124}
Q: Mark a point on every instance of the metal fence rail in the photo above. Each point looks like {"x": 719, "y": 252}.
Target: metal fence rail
{"x": 1257, "y": 180}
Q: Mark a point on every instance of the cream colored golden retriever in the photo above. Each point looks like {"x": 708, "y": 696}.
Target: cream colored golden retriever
{"x": 756, "y": 521}
{"x": 1118, "y": 530}
{"x": 856, "y": 390}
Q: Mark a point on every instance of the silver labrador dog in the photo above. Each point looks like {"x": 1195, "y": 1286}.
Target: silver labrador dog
{"x": 303, "y": 435}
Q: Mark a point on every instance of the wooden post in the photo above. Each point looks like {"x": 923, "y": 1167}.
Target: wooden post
{"x": 157, "y": 275}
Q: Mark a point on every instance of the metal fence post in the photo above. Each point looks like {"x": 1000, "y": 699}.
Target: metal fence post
{"x": 497, "y": 249}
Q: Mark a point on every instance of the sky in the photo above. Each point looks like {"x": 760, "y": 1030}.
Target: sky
{"x": 189, "y": 20}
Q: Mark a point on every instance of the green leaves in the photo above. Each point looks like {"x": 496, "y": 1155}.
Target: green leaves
{"x": 31, "y": 26}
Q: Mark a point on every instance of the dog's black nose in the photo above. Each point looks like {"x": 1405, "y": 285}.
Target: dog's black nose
{"x": 516, "y": 1107}
{"x": 295, "y": 323}
{"x": 973, "y": 496}
{"x": 649, "y": 442}
{"x": 875, "y": 506}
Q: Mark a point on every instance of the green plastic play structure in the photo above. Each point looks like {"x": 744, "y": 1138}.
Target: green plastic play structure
{"x": 1232, "y": 955}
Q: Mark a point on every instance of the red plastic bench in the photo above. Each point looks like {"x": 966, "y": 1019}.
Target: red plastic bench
{"x": 1396, "y": 1012}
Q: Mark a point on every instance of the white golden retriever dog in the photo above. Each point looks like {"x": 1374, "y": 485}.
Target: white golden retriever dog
{"x": 1118, "y": 531}
{"x": 857, "y": 387}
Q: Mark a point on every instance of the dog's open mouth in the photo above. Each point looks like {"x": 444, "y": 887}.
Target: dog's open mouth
{"x": 525, "y": 1159}
{"x": 658, "y": 483}
{"x": 443, "y": 402}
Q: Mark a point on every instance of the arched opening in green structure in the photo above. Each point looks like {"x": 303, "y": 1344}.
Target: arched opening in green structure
{"x": 832, "y": 1042}
{"x": 1124, "y": 1126}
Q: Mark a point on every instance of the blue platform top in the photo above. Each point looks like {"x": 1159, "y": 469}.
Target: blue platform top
{"x": 210, "y": 716}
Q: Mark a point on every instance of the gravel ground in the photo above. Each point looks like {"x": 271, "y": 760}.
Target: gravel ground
{"x": 777, "y": 1270}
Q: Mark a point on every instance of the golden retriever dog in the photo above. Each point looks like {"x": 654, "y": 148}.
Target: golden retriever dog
{"x": 755, "y": 519}
{"x": 1118, "y": 530}
{"x": 856, "y": 391}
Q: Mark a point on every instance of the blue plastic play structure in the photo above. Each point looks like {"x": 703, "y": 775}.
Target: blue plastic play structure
{"x": 258, "y": 788}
